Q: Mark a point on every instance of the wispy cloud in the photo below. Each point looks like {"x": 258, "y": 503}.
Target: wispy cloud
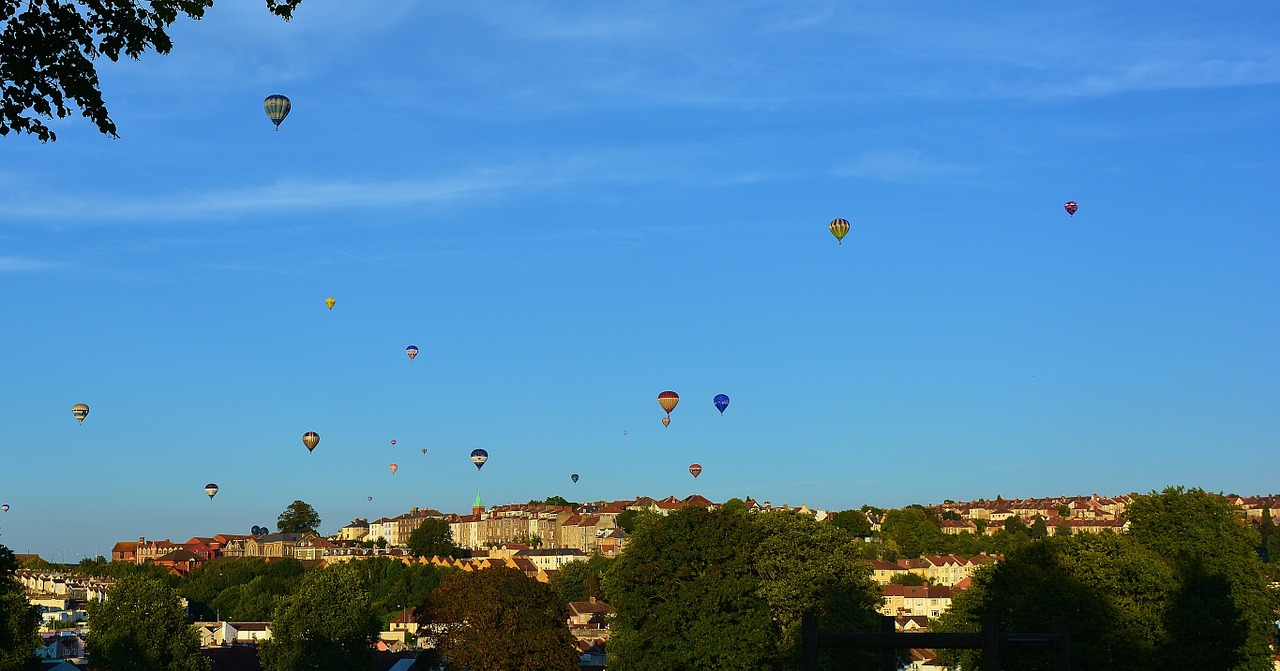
{"x": 901, "y": 165}
{"x": 18, "y": 264}
{"x": 699, "y": 165}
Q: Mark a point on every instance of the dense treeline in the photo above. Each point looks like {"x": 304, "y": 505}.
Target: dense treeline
{"x": 1185, "y": 588}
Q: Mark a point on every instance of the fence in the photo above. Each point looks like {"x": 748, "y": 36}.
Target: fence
{"x": 990, "y": 641}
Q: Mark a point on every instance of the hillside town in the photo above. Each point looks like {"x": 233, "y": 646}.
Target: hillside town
{"x": 538, "y": 539}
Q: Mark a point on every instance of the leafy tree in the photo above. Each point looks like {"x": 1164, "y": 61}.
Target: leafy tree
{"x": 394, "y": 585}
{"x": 1183, "y": 589}
{"x": 735, "y": 505}
{"x": 853, "y": 521}
{"x": 47, "y": 50}
{"x": 1110, "y": 588}
{"x": 914, "y": 530}
{"x": 626, "y": 520}
{"x": 912, "y": 579}
{"x": 1062, "y": 530}
{"x": 1204, "y": 537}
{"x": 688, "y": 578}
{"x": 1039, "y": 529}
{"x": 951, "y": 515}
{"x": 119, "y": 569}
{"x": 433, "y": 538}
{"x": 19, "y": 620}
{"x": 1064, "y": 510}
{"x": 499, "y": 619}
{"x": 580, "y": 580}
{"x": 298, "y": 518}
{"x": 553, "y": 501}
{"x": 244, "y": 589}
{"x": 328, "y": 624}
{"x": 141, "y": 626}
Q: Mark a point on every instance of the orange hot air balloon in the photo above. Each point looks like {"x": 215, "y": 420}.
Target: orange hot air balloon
{"x": 311, "y": 439}
{"x": 839, "y": 227}
{"x": 695, "y": 469}
{"x": 666, "y": 421}
{"x": 394, "y": 468}
{"x": 668, "y": 400}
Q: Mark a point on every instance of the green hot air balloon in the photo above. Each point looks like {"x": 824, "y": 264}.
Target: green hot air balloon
{"x": 277, "y": 107}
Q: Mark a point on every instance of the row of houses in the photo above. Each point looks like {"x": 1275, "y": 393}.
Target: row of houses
{"x": 945, "y": 570}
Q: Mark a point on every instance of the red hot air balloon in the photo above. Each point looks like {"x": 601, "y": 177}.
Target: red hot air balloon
{"x": 1071, "y": 207}
{"x": 394, "y": 468}
{"x": 695, "y": 469}
{"x": 668, "y": 400}
{"x": 393, "y": 441}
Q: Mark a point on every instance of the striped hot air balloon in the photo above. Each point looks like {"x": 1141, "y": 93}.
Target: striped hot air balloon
{"x": 839, "y": 227}
{"x": 277, "y": 107}
{"x": 1071, "y": 207}
{"x": 81, "y": 411}
{"x": 695, "y": 469}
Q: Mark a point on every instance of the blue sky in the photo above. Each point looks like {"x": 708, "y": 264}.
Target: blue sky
{"x": 572, "y": 209}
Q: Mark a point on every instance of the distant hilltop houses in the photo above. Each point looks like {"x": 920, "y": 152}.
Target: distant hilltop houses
{"x": 546, "y": 535}
{"x": 550, "y": 535}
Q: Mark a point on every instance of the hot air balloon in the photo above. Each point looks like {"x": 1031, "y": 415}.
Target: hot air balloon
{"x": 370, "y": 498}
{"x": 394, "y": 468}
{"x": 211, "y": 489}
{"x": 424, "y": 450}
{"x": 574, "y": 477}
{"x": 412, "y": 351}
{"x": 311, "y": 439}
{"x": 4, "y": 508}
{"x": 277, "y": 107}
{"x": 81, "y": 411}
{"x": 839, "y": 227}
{"x": 668, "y": 401}
{"x": 695, "y": 469}
{"x": 722, "y": 402}
{"x": 393, "y": 441}
{"x": 666, "y": 421}
{"x": 330, "y": 302}
{"x": 1071, "y": 207}
{"x": 478, "y": 457}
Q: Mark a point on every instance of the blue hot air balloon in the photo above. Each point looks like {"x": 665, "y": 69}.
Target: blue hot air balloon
{"x": 574, "y": 477}
{"x": 721, "y": 402}
{"x": 478, "y": 457}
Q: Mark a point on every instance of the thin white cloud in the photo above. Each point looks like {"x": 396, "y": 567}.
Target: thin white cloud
{"x": 659, "y": 165}
{"x": 18, "y": 264}
{"x": 901, "y": 165}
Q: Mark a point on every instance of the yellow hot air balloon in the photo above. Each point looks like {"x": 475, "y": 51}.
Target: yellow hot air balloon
{"x": 81, "y": 411}
{"x": 666, "y": 421}
{"x": 311, "y": 439}
{"x": 330, "y": 302}
{"x": 839, "y": 227}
